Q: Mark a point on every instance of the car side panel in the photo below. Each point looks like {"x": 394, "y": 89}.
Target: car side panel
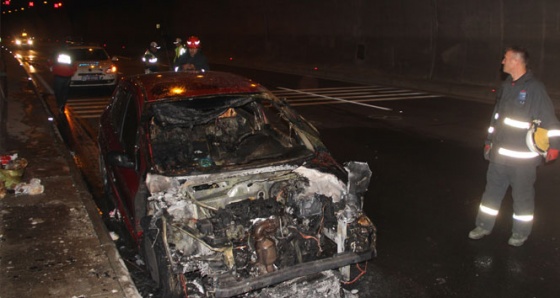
{"x": 123, "y": 181}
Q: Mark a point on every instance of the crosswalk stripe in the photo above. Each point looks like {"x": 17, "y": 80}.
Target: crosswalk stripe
{"x": 88, "y": 104}
{"x": 91, "y": 116}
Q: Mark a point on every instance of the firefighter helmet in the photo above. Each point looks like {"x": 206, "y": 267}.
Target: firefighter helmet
{"x": 537, "y": 139}
{"x": 193, "y": 42}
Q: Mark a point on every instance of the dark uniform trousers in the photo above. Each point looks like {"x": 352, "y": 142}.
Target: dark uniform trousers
{"x": 521, "y": 179}
{"x": 61, "y": 90}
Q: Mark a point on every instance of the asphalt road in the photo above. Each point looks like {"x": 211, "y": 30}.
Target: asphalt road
{"x": 428, "y": 175}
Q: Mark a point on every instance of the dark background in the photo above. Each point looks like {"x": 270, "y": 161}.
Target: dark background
{"x": 418, "y": 43}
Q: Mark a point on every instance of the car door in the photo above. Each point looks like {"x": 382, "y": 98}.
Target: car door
{"x": 126, "y": 171}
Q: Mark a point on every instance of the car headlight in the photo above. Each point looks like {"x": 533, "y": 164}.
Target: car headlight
{"x": 30, "y": 42}
{"x": 112, "y": 69}
{"x": 18, "y": 42}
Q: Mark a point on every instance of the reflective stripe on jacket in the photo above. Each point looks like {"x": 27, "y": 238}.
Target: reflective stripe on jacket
{"x": 518, "y": 104}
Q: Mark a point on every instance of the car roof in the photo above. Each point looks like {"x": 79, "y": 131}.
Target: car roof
{"x": 168, "y": 85}
{"x": 81, "y": 47}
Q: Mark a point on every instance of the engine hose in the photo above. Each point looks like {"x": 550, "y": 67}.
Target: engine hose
{"x": 164, "y": 238}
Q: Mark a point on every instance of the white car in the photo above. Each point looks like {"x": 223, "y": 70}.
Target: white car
{"x": 95, "y": 67}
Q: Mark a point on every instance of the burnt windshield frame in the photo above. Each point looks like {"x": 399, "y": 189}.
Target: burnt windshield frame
{"x": 295, "y": 117}
{"x": 188, "y": 140}
{"x": 195, "y": 111}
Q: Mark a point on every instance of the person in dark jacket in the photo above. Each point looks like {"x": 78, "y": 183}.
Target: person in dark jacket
{"x": 63, "y": 68}
{"x": 193, "y": 59}
{"x": 522, "y": 102}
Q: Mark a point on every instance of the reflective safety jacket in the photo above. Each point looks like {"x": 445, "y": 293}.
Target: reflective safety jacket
{"x": 150, "y": 60}
{"x": 179, "y": 50}
{"x": 518, "y": 104}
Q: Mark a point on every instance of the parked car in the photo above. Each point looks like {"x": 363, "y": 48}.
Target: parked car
{"x": 228, "y": 191}
{"x": 95, "y": 66}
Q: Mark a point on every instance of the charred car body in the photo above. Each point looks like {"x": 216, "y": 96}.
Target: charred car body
{"x": 226, "y": 189}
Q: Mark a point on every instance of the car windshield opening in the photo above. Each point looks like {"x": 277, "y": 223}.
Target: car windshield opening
{"x": 209, "y": 134}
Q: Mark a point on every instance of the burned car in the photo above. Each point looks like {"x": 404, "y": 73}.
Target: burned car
{"x": 228, "y": 191}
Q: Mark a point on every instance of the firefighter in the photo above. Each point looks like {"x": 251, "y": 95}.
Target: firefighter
{"x": 193, "y": 59}
{"x": 63, "y": 68}
{"x": 179, "y": 50}
{"x": 522, "y": 100}
{"x": 150, "y": 58}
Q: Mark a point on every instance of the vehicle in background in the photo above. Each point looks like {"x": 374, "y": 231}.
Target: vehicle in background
{"x": 74, "y": 40}
{"x": 24, "y": 40}
{"x": 229, "y": 191}
{"x": 95, "y": 67}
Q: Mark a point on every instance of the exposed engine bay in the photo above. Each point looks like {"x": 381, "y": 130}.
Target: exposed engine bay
{"x": 237, "y": 232}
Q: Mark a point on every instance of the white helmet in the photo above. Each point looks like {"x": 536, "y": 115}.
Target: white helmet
{"x": 537, "y": 139}
{"x": 154, "y": 44}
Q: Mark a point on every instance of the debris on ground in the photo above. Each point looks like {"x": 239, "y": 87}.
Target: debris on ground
{"x": 11, "y": 171}
{"x": 12, "y": 168}
{"x": 34, "y": 187}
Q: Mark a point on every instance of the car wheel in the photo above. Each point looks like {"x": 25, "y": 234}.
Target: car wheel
{"x": 157, "y": 263}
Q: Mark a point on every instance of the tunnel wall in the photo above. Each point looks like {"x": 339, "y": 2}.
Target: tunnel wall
{"x": 415, "y": 41}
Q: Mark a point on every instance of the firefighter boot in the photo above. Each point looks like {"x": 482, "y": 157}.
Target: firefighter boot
{"x": 517, "y": 239}
{"x": 478, "y": 233}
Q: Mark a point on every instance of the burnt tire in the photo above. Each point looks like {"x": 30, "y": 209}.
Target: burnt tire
{"x": 157, "y": 263}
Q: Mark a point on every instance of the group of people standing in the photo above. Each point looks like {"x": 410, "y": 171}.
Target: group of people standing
{"x": 187, "y": 56}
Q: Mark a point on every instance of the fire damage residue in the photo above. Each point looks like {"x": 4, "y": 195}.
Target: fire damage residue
{"x": 232, "y": 233}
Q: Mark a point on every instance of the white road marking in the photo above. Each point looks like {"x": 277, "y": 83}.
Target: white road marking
{"x": 358, "y": 95}
{"x": 338, "y": 99}
{"x": 88, "y": 107}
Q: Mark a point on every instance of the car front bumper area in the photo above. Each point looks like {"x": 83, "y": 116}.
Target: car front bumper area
{"x": 93, "y": 80}
{"x": 228, "y": 286}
